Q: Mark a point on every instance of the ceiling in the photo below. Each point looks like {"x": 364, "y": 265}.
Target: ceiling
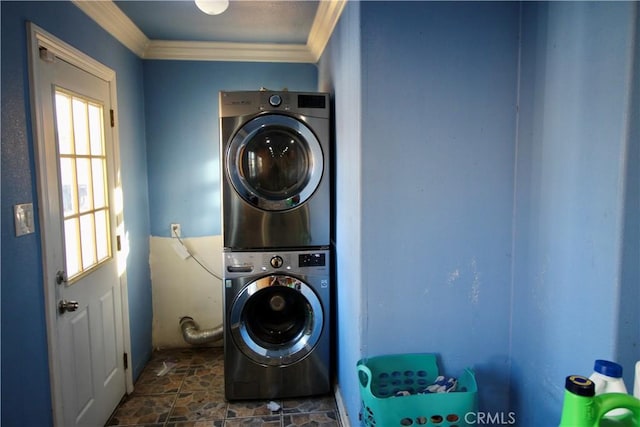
{"x": 244, "y": 21}
{"x": 249, "y": 30}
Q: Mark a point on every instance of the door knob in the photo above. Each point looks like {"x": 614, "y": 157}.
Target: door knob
{"x": 65, "y": 305}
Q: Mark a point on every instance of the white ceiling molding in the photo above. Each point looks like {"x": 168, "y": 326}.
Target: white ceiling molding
{"x": 325, "y": 21}
{"x": 113, "y": 20}
{"x": 218, "y": 51}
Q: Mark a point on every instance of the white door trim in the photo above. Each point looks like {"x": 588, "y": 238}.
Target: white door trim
{"x": 39, "y": 38}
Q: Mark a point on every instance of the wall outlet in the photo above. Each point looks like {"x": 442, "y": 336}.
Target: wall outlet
{"x": 175, "y": 230}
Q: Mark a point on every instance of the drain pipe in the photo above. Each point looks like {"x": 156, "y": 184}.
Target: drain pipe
{"x": 193, "y": 335}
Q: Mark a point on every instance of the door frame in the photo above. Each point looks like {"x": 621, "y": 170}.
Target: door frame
{"x": 37, "y": 39}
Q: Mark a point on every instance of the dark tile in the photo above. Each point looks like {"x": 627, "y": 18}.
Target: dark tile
{"x": 208, "y": 356}
{"x": 137, "y": 425}
{"x": 205, "y": 423}
{"x": 150, "y": 383}
{"x": 142, "y": 410}
{"x": 191, "y": 394}
{"x": 269, "y": 421}
{"x": 315, "y": 404}
{"x": 316, "y": 419}
{"x": 204, "y": 377}
{"x": 250, "y": 409}
{"x": 181, "y": 357}
{"x": 197, "y": 406}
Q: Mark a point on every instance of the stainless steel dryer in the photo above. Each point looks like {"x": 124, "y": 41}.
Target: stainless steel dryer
{"x": 275, "y": 169}
{"x": 276, "y": 334}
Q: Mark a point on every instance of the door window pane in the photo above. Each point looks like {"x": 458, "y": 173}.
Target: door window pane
{"x": 84, "y": 184}
{"x": 95, "y": 129}
{"x": 63, "y": 119}
{"x": 87, "y": 241}
{"x": 80, "y": 126}
{"x": 72, "y": 246}
{"x": 68, "y": 182}
{"x": 83, "y": 181}
{"x": 99, "y": 198}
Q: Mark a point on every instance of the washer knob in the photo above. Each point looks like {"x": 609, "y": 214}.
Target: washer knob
{"x": 276, "y": 261}
{"x": 275, "y": 100}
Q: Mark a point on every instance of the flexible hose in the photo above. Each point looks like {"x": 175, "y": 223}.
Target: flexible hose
{"x": 193, "y": 335}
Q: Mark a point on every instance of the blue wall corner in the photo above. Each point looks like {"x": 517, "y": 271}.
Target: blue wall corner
{"x": 536, "y": 208}
{"x": 628, "y": 339}
{"x": 341, "y": 74}
{"x": 569, "y": 271}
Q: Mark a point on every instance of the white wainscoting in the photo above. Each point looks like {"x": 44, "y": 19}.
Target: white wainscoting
{"x": 181, "y": 287}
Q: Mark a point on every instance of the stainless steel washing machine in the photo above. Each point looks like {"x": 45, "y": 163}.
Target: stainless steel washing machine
{"x": 275, "y": 169}
{"x": 276, "y": 334}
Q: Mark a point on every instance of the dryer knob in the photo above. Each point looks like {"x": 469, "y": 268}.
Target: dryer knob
{"x": 275, "y": 100}
{"x": 276, "y": 261}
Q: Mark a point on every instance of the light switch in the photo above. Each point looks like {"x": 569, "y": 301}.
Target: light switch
{"x": 23, "y": 216}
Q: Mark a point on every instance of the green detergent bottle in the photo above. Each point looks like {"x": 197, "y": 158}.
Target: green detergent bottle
{"x": 583, "y": 409}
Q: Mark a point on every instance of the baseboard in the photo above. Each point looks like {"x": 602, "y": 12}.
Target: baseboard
{"x": 343, "y": 415}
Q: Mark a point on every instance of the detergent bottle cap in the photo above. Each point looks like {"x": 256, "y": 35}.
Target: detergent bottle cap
{"x": 580, "y": 385}
{"x": 610, "y": 369}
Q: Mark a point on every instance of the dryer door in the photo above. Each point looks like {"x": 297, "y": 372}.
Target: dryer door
{"x": 274, "y": 162}
{"x": 276, "y": 320}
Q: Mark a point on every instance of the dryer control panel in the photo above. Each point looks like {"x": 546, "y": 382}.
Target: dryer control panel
{"x": 241, "y": 103}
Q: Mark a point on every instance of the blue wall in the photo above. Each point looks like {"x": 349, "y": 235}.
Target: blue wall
{"x": 438, "y": 127}
{"x": 461, "y": 227}
{"x": 181, "y": 99}
{"x": 576, "y": 242}
{"x": 629, "y": 316}
{"x": 25, "y": 374}
{"x": 435, "y": 189}
{"x": 340, "y": 73}
{"x": 486, "y": 232}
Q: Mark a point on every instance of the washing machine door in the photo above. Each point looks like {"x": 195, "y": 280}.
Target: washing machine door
{"x": 276, "y": 320}
{"x": 274, "y": 162}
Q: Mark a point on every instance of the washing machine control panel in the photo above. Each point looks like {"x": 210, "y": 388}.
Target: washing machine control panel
{"x": 243, "y": 263}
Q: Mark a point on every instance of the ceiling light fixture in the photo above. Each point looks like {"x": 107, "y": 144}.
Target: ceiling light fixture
{"x": 212, "y": 7}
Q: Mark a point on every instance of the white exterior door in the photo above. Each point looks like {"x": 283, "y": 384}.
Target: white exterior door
{"x": 78, "y": 204}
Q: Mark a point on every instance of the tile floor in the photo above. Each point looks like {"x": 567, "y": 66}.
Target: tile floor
{"x": 191, "y": 394}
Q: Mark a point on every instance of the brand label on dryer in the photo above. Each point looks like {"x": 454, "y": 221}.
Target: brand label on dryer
{"x": 238, "y": 102}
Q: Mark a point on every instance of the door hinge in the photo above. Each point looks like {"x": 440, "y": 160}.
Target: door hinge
{"x": 125, "y": 359}
{"x": 118, "y": 243}
{"x": 112, "y": 115}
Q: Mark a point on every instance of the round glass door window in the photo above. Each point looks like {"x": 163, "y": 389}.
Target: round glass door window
{"x": 274, "y": 162}
{"x": 276, "y": 320}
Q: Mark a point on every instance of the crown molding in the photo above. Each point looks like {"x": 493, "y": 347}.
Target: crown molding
{"x": 325, "y": 21}
{"x": 219, "y": 51}
{"x": 115, "y": 22}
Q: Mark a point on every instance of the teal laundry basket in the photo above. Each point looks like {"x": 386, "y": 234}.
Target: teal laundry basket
{"x": 381, "y": 377}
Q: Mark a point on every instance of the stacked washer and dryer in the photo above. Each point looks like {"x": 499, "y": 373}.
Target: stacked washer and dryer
{"x": 276, "y": 231}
